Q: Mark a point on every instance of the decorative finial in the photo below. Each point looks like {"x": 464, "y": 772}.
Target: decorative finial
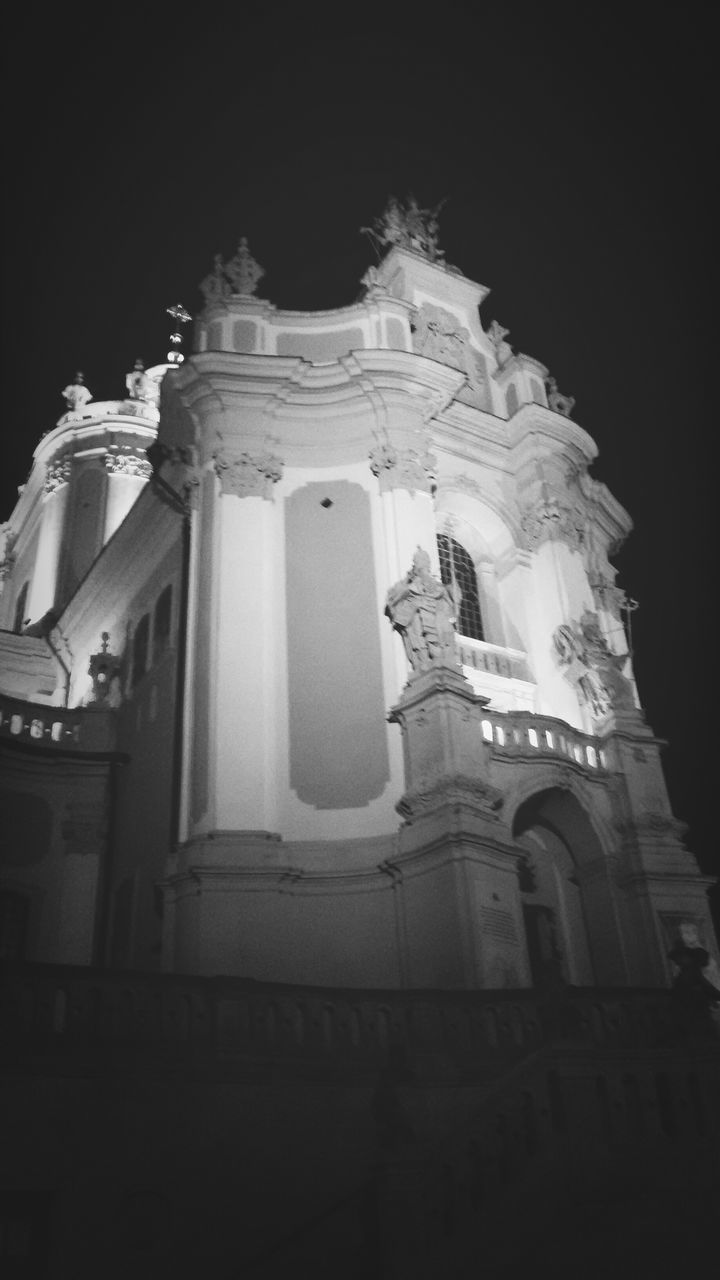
{"x": 180, "y": 316}
{"x": 243, "y": 272}
{"x": 215, "y": 287}
{"x": 76, "y": 394}
{"x": 409, "y": 227}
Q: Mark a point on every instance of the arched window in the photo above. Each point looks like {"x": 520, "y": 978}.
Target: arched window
{"x": 457, "y": 568}
{"x": 140, "y": 648}
{"x": 161, "y": 628}
{"x": 20, "y": 605}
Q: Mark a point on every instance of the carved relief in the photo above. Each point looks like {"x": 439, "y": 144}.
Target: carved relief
{"x": 57, "y": 473}
{"x": 438, "y": 335}
{"x": 248, "y": 475}
{"x": 8, "y": 551}
{"x": 553, "y": 520}
{"x": 423, "y": 611}
{"x": 592, "y": 667}
{"x": 128, "y": 464}
{"x": 403, "y": 468}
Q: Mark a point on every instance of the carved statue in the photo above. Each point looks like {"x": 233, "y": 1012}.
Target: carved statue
{"x": 76, "y": 394}
{"x": 592, "y": 666}
{"x": 409, "y": 227}
{"x": 557, "y": 401}
{"x": 215, "y": 286}
{"x": 423, "y": 610}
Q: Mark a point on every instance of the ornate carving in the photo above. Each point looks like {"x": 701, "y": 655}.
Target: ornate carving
{"x": 438, "y": 335}
{"x": 456, "y": 790}
{"x": 76, "y": 395}
{"x": 592, "y": 666}
{"x": 128, "y": 464}
{"x": 403, "y": 468}
{"x": 606, "y": 595}
{"x": 551, "y": 520}
{"x": 57, "y": 473}
{"x": 497, "y": 335}
{"x": 409, "y": 227}
{"x": 372, "y": 284}
{"x": 241, "y": 275}
{"x": 243, "y": 272}
{"x": 557, "y": 401}
{"x": 104, "y": 669}
{"x": 422, "y": 609}
{"x": 9, "y": 537}
{"x": 248, "y": 475}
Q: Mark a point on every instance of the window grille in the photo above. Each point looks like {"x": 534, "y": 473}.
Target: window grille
{"x": 457, "y": 570}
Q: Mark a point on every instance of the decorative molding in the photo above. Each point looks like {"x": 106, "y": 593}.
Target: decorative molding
{"x": 411, "y": 469}
{"x": 57, "y": 473}
{"x": 248, "y": 475}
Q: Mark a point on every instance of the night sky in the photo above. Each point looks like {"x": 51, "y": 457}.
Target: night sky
{"x": 575, "y": 150}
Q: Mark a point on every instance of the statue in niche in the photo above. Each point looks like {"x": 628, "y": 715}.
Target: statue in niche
{"x": 409, "y": 227}
{"x": 76, "y": 394}
{"x": 592, "y": 666}
{"x": 423, "y": 610}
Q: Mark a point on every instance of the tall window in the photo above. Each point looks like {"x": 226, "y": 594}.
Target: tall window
{"x": 161, "y": 629}
{"x": 20, "y": 605}
{"x": 457, "y": 569}
{"x": 140, "y": 648}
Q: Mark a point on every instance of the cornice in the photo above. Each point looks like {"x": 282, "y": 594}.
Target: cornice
{"x": 534, "y": 420}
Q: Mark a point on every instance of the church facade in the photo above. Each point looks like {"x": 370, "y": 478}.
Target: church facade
{"x": 314, "y": 667}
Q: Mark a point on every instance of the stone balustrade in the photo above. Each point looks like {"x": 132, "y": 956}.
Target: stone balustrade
{"x": 72, "y": 1007}
{"x": 83, "y": 729}
{"x": 511, "y": 664}
{"x": 523, "y": 733}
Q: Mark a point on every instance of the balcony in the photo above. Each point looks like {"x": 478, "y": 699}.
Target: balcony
{"x": 76, "y": 729}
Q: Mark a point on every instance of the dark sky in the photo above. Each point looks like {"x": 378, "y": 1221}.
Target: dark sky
{"x": 575, "y": 147}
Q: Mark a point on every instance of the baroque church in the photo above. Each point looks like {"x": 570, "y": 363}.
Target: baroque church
{"x": 330, "y": 811}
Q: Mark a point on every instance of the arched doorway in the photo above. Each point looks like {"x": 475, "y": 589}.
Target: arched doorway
{"x": 566, "y": 920}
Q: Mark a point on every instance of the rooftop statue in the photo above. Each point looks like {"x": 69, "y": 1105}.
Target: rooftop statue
{"x": 76, "y": 394}
{"x": 409, "y": 227}
{"x": 557, "y": 401}
{"x": 139, "y": 385}
{"x": 423, "y": 610}
{"x": 497, "y": 335}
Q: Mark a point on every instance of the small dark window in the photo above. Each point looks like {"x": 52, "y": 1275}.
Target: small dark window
{"x": 161, "y": 630}
{"x": 457, "y": 569}
{"x": 20, "y": 605}
{"x": 140, "y": 648}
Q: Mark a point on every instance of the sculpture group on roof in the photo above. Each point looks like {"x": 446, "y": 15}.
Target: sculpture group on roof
{"x": 407, "y": 226}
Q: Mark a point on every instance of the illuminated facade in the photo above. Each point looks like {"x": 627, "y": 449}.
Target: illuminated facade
{"x": 233, "y": 759}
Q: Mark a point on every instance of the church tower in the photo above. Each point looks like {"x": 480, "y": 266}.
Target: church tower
{"x": 371, "y": 684}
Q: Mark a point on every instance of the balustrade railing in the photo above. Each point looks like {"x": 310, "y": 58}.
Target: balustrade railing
{"x": 66, "y": 1006}
{"x": 520, "y": 733}
{"x": 75, "y": 728}
{"x": 495, "y": 659}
